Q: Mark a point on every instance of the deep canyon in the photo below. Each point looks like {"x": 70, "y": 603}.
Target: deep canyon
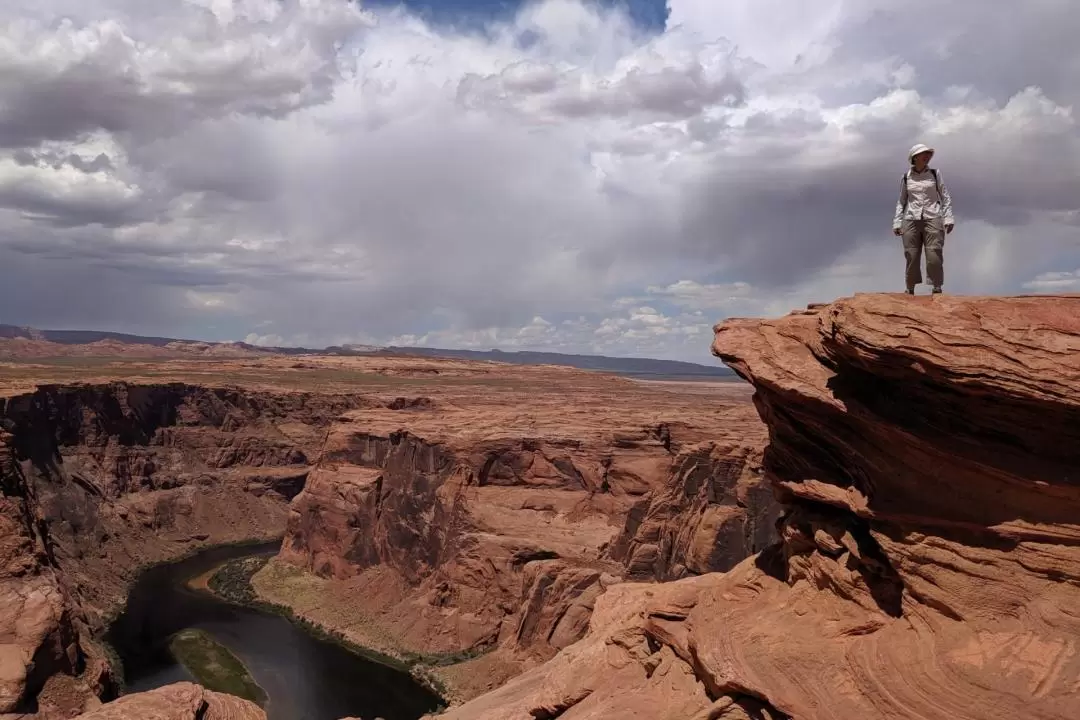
{"x": 302, "y": 677}
{"x": 889, "y": 528}
{"x": 480, "y": 508}
{"x": 925, "y": 451}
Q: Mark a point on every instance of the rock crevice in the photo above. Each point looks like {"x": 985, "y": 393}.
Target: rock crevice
{"x": 924, "y": 451}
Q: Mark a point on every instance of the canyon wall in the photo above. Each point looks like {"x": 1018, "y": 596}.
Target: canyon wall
{"x": 925, "y": 450}
{"x": 101, "y": 480}
{"x": 470, "y": 530}
{"x": 491, "y": 511}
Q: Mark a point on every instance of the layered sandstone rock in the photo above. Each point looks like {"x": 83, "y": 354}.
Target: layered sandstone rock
{"x": 180, "y": 701}
{"x": 462, "y": 522}
{"x": 712, "y": 512}
{"x": 102, "y": 480}
{"x": 457, "y": 506}
{"x": 929, "y": 567}
{"x": 37, "y": 636}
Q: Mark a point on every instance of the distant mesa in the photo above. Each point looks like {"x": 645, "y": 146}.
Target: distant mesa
{"x": 42, "y": 344}
{"x": 633, "y": 367}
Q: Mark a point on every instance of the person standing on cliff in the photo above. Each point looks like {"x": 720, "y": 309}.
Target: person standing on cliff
{"x": 923, "y": 218}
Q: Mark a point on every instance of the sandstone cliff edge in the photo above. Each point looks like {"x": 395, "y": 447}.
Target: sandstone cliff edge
{"x": 925, "y": 451}
{"x": 441, "y": 508}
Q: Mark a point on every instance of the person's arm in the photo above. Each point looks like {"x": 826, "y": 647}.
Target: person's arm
{"x": 946, "y": 205}
{"x": 898, "y": 216}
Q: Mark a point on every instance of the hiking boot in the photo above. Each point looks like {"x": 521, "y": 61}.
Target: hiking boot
{"x": 936, "y": 290}
{"x": 910, "y": 291}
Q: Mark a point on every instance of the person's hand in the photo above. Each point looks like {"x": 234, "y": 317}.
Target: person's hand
{"x": 897, "y": 231}
{"x": 948, "y": 228}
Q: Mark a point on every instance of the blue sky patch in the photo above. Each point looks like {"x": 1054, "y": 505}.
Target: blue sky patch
{"x": 648, "y": 14}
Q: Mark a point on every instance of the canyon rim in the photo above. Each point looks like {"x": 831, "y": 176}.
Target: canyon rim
{"x": 925, "y": 452}
{"x": 616, "y": 557}
{"x": 489, "y": 504}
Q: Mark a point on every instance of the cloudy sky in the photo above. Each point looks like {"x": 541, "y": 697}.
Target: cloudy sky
{"x": 610, "y": 178}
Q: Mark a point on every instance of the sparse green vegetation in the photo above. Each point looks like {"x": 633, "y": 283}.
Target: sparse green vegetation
{"x": 103, "y": 642}
{"x": 232, "y": 581}
{"x": 213, "y": 665}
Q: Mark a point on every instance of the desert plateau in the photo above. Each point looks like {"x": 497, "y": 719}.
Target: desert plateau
{"x": 881, "y": 521}
{"x": 454, "y": 519}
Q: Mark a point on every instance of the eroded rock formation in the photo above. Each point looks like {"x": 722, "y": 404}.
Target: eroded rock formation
{"x": 37, "y": 636}
{"x": 929, "y": 566}
{"x": 474, "y": 522}
{"x": 492, "y": 508}
{"x": 712, "y": 511}
{"x": 180, "y": 701}
{"x": 99, "y": 481}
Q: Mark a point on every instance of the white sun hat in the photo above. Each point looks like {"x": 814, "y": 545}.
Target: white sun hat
{"x": 920, "y": 148}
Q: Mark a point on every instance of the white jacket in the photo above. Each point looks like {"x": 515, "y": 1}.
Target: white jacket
{"x": 920, "y": 199}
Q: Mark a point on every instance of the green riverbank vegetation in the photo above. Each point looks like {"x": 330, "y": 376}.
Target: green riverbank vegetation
{"x": 232, "y": 581}
{"x": 112, "y": 657}
{"x": 214, "y": 666}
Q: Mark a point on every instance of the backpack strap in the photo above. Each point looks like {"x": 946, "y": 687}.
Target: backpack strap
{"x": 937, "y": 184}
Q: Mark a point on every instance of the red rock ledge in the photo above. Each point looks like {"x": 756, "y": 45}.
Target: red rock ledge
{"x": 927, "y": 454}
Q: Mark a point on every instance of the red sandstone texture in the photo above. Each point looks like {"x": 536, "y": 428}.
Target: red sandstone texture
{"x": 926, "y": 451}
{"x": 463, "y": 522}
{"x": 181, "y": 701}
{"x": 496, "y": 502}
{"x": 98, "y": 482}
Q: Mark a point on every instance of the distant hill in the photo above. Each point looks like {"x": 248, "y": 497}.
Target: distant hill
{"x": 630, "y": 367}
{"x": 85, "y": 337}
{"x": 634, "y": 367}
{"x": 79, "y": 337}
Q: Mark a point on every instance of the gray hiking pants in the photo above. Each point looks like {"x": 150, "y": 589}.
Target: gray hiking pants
{"x": 928, "y": 235}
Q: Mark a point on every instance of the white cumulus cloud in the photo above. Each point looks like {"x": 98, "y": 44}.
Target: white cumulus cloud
{"x": 317, "y": 172}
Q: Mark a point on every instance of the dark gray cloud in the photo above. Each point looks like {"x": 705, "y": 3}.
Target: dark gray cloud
{"x": 773, "y": 217}
{"x": 994, "y": 96}
{"x": 233, "y": 158}
{"x": 996, "y": 48}
{"x": 66, "y": 212}
{"x": 293, "y": 170}
{"x": 26, "y": 157}
{"x": 61, "y": 292}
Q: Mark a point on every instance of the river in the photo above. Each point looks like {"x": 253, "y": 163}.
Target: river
{"x": 305, "y": 678}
